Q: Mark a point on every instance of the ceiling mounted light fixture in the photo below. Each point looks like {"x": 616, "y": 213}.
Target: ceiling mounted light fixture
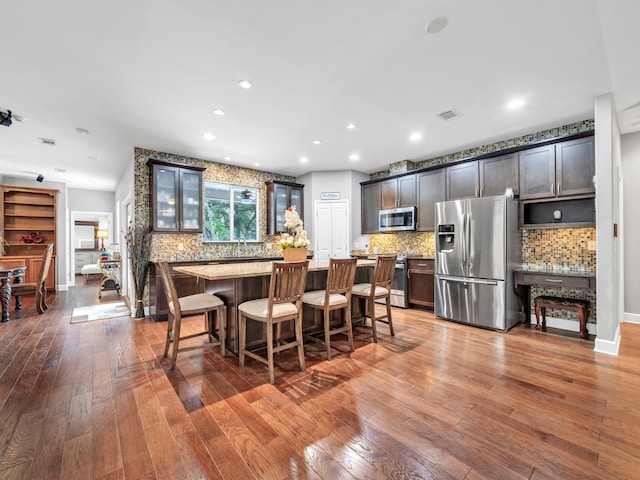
{"x": 513, "y": 104}
{"x": 218, "y": 111}
{"x": 227, "y": 158}
{"x": 436, "y": 25}
{"x": 317, "y": 142}
{"x": 354, "y": 157}
{"x": 245, "y": 84}
{"x": 208, "y": 136}
{"x": 415, "y": 136}
{"x": 303, "y": 160}
{"x": 352, "y": 126}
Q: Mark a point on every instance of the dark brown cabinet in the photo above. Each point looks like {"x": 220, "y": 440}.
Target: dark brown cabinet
{"x": 176, "y": 197}
{"x": 559, "y": 170}
{"x": 371, "y": 199}
{"x": 462, "y": 181}
{"x": 430, "y": 191}
{"x": 399, "y": 192}
{"x": 421, "y": 284}
{"x": 497, "y": 174}
{"x": 280, "y": 196}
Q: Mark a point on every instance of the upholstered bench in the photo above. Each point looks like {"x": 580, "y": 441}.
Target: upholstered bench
{"x": 558, "y": 303}
{"x": 91, "y": 269}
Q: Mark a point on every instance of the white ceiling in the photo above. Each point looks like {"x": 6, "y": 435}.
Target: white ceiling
{"x": 148, "y": 73}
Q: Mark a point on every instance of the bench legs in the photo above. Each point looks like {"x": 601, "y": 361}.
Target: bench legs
{"x": 582, "y": 311}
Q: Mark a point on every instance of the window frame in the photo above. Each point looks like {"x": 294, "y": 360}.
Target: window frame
{"x": 232, "y": 202}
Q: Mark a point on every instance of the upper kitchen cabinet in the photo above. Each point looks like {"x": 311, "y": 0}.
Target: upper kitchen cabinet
{"x": 559, "y": 170}
{"x": 371, "y": 197}
{"x": 176, "y": 197}
{"x": 430, "y": 191}
{"x": 497, "y": 174}
{"x": 462, "y": 181}
{"x": 399, "y": 192}
{"x": 280, "y": 196}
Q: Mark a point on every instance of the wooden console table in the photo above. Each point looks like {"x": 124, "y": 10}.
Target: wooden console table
{"x": 524, "y": 278}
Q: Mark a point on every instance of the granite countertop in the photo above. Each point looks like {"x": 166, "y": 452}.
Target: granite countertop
{"x": 252, "y": 269}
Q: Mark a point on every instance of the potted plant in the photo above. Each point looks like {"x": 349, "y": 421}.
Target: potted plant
{"x": 295, "y": 243}
{"x": 138, "y": 239}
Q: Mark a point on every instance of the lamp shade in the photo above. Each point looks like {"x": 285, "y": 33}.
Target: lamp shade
{"x": 102, "y": 234}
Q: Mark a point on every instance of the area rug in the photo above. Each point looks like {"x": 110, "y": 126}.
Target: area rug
{"x": 99, "y": 312}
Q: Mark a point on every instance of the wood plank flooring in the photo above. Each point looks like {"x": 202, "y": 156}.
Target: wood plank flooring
{"x": 439, "y": 400}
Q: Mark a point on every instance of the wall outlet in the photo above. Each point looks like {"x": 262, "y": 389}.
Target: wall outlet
{"x": 591, "y": 245}
{"x": 180, "y": 247}
{"x": 268, "y": 246}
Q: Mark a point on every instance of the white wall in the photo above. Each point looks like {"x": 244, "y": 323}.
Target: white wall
{"x": 608, "y": 262}
{"x": 631, "y": 173}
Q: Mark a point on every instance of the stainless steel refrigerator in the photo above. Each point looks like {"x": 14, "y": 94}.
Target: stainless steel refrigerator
{"x": 477, "y": 247}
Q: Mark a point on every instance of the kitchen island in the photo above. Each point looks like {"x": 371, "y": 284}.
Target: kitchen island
{"x": 235, "y": 283}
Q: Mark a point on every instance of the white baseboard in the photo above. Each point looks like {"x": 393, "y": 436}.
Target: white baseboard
{"x": 564, "y": 324}
{"x": 62, "y": 288}
{"x": 631, "y": 317}
{"x": 610, "y": 347}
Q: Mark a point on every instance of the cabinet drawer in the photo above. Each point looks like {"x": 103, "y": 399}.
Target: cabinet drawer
{"x": 416, "y": 264}
{"x": 553, "y": 280}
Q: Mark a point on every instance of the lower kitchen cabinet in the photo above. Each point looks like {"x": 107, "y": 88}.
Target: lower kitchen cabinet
{"x": 421, "y": 284}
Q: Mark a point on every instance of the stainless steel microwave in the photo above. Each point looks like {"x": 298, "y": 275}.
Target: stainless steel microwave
{"x": 398, "y": 219}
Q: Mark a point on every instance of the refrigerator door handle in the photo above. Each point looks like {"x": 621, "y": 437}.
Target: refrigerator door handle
{"x": 467, "y": 280}
{"x": 468, "y": 241}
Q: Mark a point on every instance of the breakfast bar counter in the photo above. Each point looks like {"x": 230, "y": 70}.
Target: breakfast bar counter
{"x": 235, "y": 283}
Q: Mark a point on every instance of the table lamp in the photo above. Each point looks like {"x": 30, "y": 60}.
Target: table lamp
{"x": 102, "y": 234}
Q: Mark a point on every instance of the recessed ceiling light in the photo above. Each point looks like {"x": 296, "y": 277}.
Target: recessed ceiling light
{"x": 227, "y": 158}
{"x": 303, "y": 160}
{"x": 82, "y": 131}
{"x": 208, "y": 136}
{"x": 218, "y": 111}
{"x": 354, "y": 157}
{"x": 351, "y": 126}
{"x": 436, "y": 25}
{"x": 245, "y": 84}
{"x": 415, "y": 136}
{"x": 317, "y": 142}
{"x": 256, "y": 164}
{"x": 517, "y": 103}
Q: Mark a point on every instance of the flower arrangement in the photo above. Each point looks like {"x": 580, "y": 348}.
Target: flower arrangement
{"x": 297, "y": 236}
{"x": 138, "y": 240}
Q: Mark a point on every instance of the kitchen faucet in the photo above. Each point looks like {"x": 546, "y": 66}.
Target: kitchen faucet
{"x": 241, "y": 239}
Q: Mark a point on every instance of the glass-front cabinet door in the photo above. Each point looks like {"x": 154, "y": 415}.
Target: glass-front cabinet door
{"x": 191, "y": 184}
{"x": 176, "y": 197}
{"x": 280, "y": 196}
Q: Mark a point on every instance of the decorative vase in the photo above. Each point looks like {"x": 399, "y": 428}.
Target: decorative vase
{"x": 295, "y": 254}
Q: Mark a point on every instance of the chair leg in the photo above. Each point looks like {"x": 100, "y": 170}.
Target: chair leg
{"x": 272, "y": 378}
{"x": 176, "y": 342}
{"x": 372, "y": 313}
{"x": 298, "y": 328}
{"x": 543, "y": 310}
{"x": 169, "y": 332}
{"x": 327, "y": 334}
{"x": 349, "y": 324}
{"x": 582, "y": 315}
{"x": 243, "y": 337}
{"x": 389, "y": 320}
{"x": 537, "y": 309}
{"x": 221, "y": 315}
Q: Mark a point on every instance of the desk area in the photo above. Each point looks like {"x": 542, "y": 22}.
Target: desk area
{"x": 525, "y": 278}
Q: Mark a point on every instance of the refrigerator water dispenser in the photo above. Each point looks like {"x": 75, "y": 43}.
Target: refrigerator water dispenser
{"x": 446, "y": 237}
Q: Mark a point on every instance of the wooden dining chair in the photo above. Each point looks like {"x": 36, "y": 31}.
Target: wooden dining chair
{"x": 379, "y": 288}
{"x": 189, "y": 306}
{"x": 37, "y": 288}
{"x": 336, "y": 296}
{"x": 284, "y": 303}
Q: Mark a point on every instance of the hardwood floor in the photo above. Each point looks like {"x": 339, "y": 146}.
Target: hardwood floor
{"x": 438, "y": 400}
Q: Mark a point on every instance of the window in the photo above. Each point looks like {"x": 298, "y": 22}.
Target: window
{"x": 230, "y": 212}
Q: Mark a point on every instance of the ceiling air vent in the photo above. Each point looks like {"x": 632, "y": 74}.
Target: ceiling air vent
{"x": 47, "y": 141}
{"x": 448, "y": 115}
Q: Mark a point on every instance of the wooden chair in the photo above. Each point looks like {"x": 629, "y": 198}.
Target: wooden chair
{"x": 283, "y": 304}
{"x": 336, "y": 295}
{"x": 38, "y": 288}
{"x": 188, "y": 306}
{"x": 379, "y": 288}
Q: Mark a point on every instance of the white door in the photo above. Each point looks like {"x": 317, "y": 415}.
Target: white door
{"x": 331, "y": 230}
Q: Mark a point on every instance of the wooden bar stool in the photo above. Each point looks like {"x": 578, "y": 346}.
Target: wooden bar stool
{"x": 336, "y": 295}
{"x": 543, "y": 302}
